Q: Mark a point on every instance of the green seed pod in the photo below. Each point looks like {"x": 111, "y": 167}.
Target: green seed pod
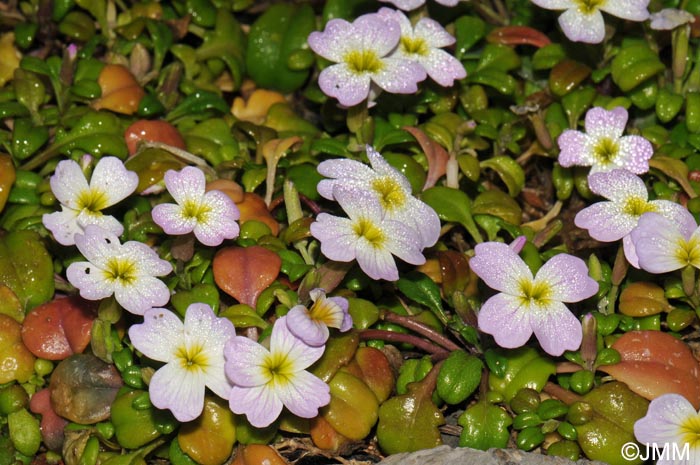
{"x": 529, "y": 438}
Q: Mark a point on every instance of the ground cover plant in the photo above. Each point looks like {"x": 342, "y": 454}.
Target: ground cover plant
{"x": 247, "y": 232}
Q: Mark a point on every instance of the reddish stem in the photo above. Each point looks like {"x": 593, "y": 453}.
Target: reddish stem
{"x": 393, "y": 336}
{"x": 560, "y": 393}
{"x": 420, "y": 328}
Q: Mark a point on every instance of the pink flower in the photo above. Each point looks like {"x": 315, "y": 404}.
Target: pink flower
{"x": 265, "y": 381}
{"x": 527, "y": 304}
{"x": 361, "y": 51}
{"x": 628, "y": 200}
{"x": 664, "y": 245}
{"x": 311, "y": 325}
{"x": 210, "y": 215}
{"x": 423, "y": 43}
{"x": 602, "y": 146}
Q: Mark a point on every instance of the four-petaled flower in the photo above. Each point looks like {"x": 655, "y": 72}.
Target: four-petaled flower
{"x": 311, "y": 325}
{"x": 671, "y": 421}
{"x": 193, "y": 353}
{"x": 583, "y": 21}
{"x": 366, "y": 235}
{"x": 82, "y": 203}
{"x": 388, "y": 186}
{"x": 602, "y": 146}
{"x": 663, "y": 245}
{"x": 527, "y": 304}
{"x": 361, "y": 52}
{"x": 423, "y": 43}
{"x": 628, "y": 201}
{"x": 126, "y": 271}
{"x": 265, "y": 380}
{"x": 408, "y": 5}
{"x": 210, "y": 215}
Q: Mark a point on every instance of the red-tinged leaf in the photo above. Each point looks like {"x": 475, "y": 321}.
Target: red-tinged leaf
{"x": 244, "y": 272}
{"x": 435, "y": 153}
{"x": 60, "y": 328}
{"x": 51, "y": 424}
{"x": 518, "y": 35}
{"x": 655, "y": 363}
{"x": 152, "y": 131}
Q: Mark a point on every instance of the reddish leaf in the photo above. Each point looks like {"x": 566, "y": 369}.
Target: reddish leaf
{"x": 60, "y": 328}
{"x": 435, "y": 153}
{"x": 51, "y": 424}
{"x": 244, "y": 272}
{"x": 655, "y": 363}
{"x": 152, "y": 131}
{"x": 518, "y": 35}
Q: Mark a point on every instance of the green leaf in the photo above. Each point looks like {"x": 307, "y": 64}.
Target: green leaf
{"x": 97, "y": 132}
{"x": 459, "y": 377}
{"x": 410, "y": 422}
{"x": 420, "y": 288}
{"x": 26, "y": 268}
{"x": 243, "y": 316}
{"x": 485, "y": 426}
{"x": 452, "y": 205}
{"x": 525, "y": 368}
{"x": 293, "y": 264}
{"x": 510, "y": 172}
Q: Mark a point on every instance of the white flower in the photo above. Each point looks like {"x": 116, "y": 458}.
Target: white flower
{"x": 670, "y": 18}
{"x": 583, "y": 22}
{"x": 311, "y": 325}
{"x": 210, "y": 215}
{"x": 193, "y": 353}
{"x": 388, "y": 186}
{"x": 126, "y": 271}
{"x": 82, "y": 203}
{"x": 366, "y": 235}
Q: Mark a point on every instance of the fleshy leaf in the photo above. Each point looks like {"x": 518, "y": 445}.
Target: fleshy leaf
{"x": 26, "y": 267}
{"x": 452, "y": 205}
{"x": 484, "y": 426}
{"x": 243, "y": 273}
{"x": 409, "y": 422}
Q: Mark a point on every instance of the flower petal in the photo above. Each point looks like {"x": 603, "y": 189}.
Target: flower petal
{"x": 499, "y": 267}
{"x": 600, "y": 122}
{"x": 304, "y": 394}
{"x": 633, "y": 10}
{"x": 399, "y": 76}
{"x": 567, "y": 276}
{"x": 618, "y": 185}
{"x": 244, "y": 358}
{"x": 556, "y": 328}
{"x": 580, "y": 27}
{"x": 170, "y": 218}
{"x": 336, "y": 236}
{"x": 335, "y": 41}
{"x": 555, "y": 4}
{"x": 260, "y": 404}
{"x": 377, "y": 263}
{"x": 605, "y": 221}
{"x": 340, "y": 82}
{"x": 301, "y": 325}
{"x": 63, "y": 225}
{"x": 634, "y": 154}
{"x": 185, "y": 185}
{"x": 506, "y": 320}
{"x": 68, "y": 182}
{"x": 221, "y": 221}
{"x": 160, "y": 331}
{"x": 111, "y": 178}
{"x": 662, "y": 422}
{"x": 656, "y": 241}
{"x": 433, "y": 33}
{"x": 573, "y": 145}
{"x": 89, "y": 280}
{"x": 283, "y": 342}
{"x": 144, "y": 293}
{"x": 443, "y": 68}
{"x": 179, "y": 390}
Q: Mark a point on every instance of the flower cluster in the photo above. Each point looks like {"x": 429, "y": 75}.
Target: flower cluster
{"x": 383, "y": 51}
{"x": 384, "y": 218}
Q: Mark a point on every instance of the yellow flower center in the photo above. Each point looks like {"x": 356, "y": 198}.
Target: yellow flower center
{"x": 364, "y": 61}
{"x": 92, "y": 200}
{"x": 414, "y": 45}
{"x": 636, "y": 206}
{"x": 323, "y": 310}
{"x": 688, "y": 252}
{"x": 196, "y": 211}
{"x": 606, "y": 150}
{"x": 534, "y": 293}
{"x": 278, "y": 368}
{"x": 119, "y": 269}
{"x": 192, "y": 358}
{"x": 589, "y": 6}
{"x": 690, "y": 429}
{"x": 391, "y": 194}
{"x": 371, "y": 233}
